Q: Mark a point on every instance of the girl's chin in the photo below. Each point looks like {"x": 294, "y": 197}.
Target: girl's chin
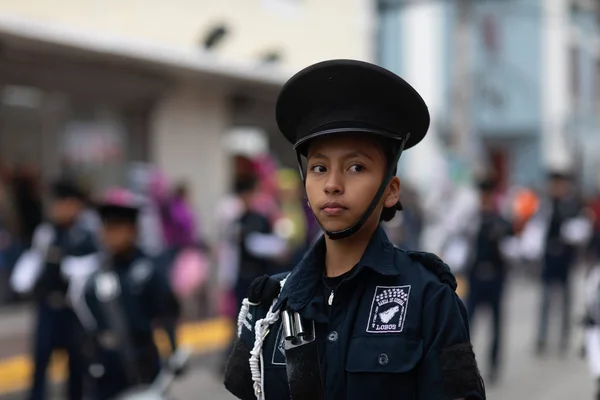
{"x": 336, "y": 226}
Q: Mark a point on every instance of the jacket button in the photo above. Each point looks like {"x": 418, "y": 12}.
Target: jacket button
{"x": 383, "y": 359}
{"x": 332, "y": 337}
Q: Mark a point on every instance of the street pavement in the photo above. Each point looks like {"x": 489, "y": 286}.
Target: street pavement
{"x": 525, "y": 376}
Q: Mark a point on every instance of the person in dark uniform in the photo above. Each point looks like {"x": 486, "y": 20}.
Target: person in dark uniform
{"x": 257, "y": 246}
{"x": 39, "y": 271}
{"x": 120, "y": 300}
{"x": 357, "y": 318}
{"x": 559, "y": 256}
{"x": 487, "y": 267}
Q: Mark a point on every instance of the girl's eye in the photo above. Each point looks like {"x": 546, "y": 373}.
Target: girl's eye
{"x": 317, "y": 169}
{"x": 357, "y": 168}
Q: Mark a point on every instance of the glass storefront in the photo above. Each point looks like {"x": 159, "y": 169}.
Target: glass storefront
{"x": 57, "y": 134}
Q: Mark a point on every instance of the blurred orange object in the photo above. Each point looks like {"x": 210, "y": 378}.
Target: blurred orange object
{"x": 594, "y": 209}
{"x": 526, "y": 204}
{"x": 462, "y": 288}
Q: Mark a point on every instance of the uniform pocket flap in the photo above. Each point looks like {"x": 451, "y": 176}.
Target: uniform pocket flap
{"x": 381, "y": 353}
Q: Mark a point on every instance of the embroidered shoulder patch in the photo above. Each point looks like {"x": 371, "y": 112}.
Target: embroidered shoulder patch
{"x": 388, "y": 309}
{"x": 248, "y": 321}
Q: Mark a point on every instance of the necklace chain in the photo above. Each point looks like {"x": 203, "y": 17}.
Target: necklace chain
{"x": 332, "y": 294}
{"x": 331, "y": 288}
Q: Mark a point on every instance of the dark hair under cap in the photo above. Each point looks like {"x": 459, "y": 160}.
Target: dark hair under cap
{"x": 559, "y": 175}
{"x": 65, "y": 189}
{"x": 245, "y": 184}
{"x": 388, "y": 213}
{"x": 486, "y": 184}
{"x": 110, "y": 212}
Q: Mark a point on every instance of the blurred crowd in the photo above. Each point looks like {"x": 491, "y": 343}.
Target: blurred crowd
{"x": 169, "y": 227}
{"x": 264, "y": 223}
{"x": 274, "y": 196}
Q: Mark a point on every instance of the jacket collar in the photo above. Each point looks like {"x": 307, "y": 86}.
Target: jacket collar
{"x": 305, "y": 278}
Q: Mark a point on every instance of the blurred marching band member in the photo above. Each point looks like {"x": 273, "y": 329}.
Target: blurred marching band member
{"x": 552, "y": 236}
{"x": 118, "y": 294}
{"x": 38, "y": 271}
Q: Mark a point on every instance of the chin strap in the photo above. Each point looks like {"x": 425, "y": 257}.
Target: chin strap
{"x": 351, "y": 230}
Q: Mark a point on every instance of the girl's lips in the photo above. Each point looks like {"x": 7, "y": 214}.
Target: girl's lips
{"x": 332, "y": 208}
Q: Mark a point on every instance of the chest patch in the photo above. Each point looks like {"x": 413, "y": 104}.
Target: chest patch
{"x": 141, "y": 272}
{"x": 279, "y": 348}
{"x": 76, "y": 236}
{"x": 388, "y": 309}
{"x": 107, "y": 286}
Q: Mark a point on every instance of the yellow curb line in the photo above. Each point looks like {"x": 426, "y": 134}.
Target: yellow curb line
{"x": 201, "y": 337}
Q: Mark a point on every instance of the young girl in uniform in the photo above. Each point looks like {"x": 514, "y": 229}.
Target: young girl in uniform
{"x": 357, "y": 318}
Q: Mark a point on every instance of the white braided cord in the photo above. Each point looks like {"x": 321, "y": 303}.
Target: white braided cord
{"x": 261, "y": 329}
{"x": 243, "y": 314}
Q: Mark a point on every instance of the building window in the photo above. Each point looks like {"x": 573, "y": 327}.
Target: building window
{"x": 575, "y": 74}
{"x": 597, "y": 96}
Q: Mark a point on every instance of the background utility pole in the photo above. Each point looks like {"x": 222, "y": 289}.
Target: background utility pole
{"x": 461, "y": 104}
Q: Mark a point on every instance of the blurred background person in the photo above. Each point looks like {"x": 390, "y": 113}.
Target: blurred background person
{"x": 186, "y": 258}
{"x": 10, "y": 243}
{"x": 38, "y": 271}
{"x": 27, "y": 193}
{"x": 594, "y": 247}
{"x": 553, "y": 236}
{"x": 258, "y": 248}
{"x": 122, "y": 298}
{"x": 487, "y": 269}
{"x": 293, "y": 222}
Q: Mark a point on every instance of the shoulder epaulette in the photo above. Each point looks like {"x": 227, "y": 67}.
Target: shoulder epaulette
{"x": 265, "y": 289}
{"x": 434, "y": 264}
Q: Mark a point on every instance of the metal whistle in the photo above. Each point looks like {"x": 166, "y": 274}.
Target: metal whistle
{"x": 294, "y": 330}
{"x": 302, "y": 358}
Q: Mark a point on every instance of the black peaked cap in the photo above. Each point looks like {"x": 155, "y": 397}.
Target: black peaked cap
{"x": 350, "y": 96}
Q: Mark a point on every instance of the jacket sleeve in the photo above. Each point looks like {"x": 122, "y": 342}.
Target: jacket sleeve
{"x": 29, "y": 265}
{"x": 238, "y": 378}
{"x": 160, "y": 294}
{"x": 449, "y": 369}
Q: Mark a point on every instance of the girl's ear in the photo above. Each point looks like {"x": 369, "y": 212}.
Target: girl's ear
{"x": 393, "y": 193}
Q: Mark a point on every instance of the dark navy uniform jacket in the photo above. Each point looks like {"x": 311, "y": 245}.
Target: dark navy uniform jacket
{"x": 144, "y": 295}
{"x": 487, "y": 262}
{"x": 559, "y": 256}
{"x": 51, "y": 286}
{"x": 394, "y": 330}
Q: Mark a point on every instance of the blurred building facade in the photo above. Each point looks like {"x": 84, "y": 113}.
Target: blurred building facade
{"x": 534, "y": 79}
{"x": 300, "y": 32}
{"x": 90, "y": 86}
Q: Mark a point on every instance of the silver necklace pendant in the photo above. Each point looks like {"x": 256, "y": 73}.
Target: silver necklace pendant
{"x": 330, "y": 300}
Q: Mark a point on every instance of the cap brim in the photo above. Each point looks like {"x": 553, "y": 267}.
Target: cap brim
{"x": 300, "y": 144}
